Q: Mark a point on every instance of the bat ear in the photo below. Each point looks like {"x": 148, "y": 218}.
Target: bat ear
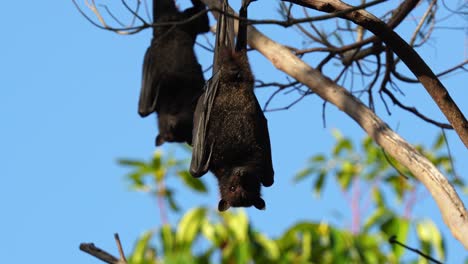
{"x": 223, "y": 205}
{"x": 159, "y": 140}
{"x": 259, "y": 204}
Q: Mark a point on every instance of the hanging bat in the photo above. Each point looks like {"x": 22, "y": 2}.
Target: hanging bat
{"x": 172, "y": 78}
{"x": 230, "y": 136}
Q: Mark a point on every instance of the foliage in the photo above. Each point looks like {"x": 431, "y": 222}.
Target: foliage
{"x": 203, "y": 235}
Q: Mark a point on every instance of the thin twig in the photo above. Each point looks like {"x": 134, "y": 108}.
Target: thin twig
{"x": 455, "y": 175}
{"x": 119, "y": 246}
{"x": 393, "y": 240}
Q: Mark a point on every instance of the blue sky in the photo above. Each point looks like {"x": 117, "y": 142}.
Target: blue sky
{"x": 68, "y": 101}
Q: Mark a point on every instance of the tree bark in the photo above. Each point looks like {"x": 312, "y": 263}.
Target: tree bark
{"x": 450, "y": 205}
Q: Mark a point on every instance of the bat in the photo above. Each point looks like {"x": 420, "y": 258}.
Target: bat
{"x": 230, "y": 136}
{"x": 172, "y": 77}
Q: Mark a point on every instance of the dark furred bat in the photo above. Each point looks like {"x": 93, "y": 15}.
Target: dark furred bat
{"x": 230, "y": 135}
{"x": 172, "y": 78}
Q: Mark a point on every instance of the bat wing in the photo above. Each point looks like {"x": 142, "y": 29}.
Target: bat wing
{"x": 267, "y": 176}
{"x": 150, "y": 85}
{"x": 202, "y": 147}
{"x": 224, "y": 35}
{"x": 201, "y": 24}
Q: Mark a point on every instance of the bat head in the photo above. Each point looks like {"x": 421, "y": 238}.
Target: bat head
{"x": 240, "y": 189}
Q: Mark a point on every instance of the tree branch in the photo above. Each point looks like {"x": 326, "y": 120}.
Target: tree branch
{"x": 91, "y": 249}
{"x": 406, "y": 53}
{"x": 451, "y": 207}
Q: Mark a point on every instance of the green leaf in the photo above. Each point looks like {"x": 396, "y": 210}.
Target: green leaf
{"x": 242, "y": 252}
{"x": 156, "y": 162}
{"x": 306, "y": 245}
{"x": 337, "y": 134}
{"x": 396, "y": 227}
{"x": 137, "y": 182}
{"x": 238, "y": 224}
{"x": 132, "y": 163}
{"x": 268, "y": 245}
{"x": 301, "y": 175}
{"x": 290, "y": 238}
{"x": 368, "y": 144}
{"x": 167, "y": 238}
{"x": 343, "y": 144}
{"x": 400, "y": 185}
{"x": 378, "y": 198}
{"x": 319, "y": 158}
{"x": 439, "y": 142}
{"x": 169, "y": 194}
{"x": 378, "y": 217}
{"x": 189, "y": 226}
{"x": 319, "y": 182}
{"x": 428, "y": 233}
{"x": 209, "y": 232}
{"x": 140, "y": 249}
{"x": 346, "y": 174}
{"x": 193, "y": 183}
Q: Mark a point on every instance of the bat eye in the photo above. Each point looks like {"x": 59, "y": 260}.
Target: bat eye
{"x": 232, "y": 188}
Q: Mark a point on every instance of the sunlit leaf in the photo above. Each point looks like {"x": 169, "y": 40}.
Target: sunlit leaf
{"x": 337, "y": 134}
{"x": 238, "y": 223}
{"x": 156, "y": 162}
{"x": 346, "y": 174}
{"x": 141, "y": 246}
{"x": 189, "y": 226}
{"x": 167, "y": 238}
{"x": 343, "y": 144}
{"x": 209, "y": 232}
{"x": 306, "y": 245}
{"x": 428, "y": 233}
{"x": 268, "y": 245}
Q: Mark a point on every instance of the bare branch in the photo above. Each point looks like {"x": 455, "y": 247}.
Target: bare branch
{"x": 407, "y": 54}
{"x": 119, "y": 246}
{"x": 94, "y": 251}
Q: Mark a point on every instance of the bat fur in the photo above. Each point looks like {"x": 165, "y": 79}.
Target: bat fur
{"x": 230, "y": 135}
{"x": 172, "y": 77}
